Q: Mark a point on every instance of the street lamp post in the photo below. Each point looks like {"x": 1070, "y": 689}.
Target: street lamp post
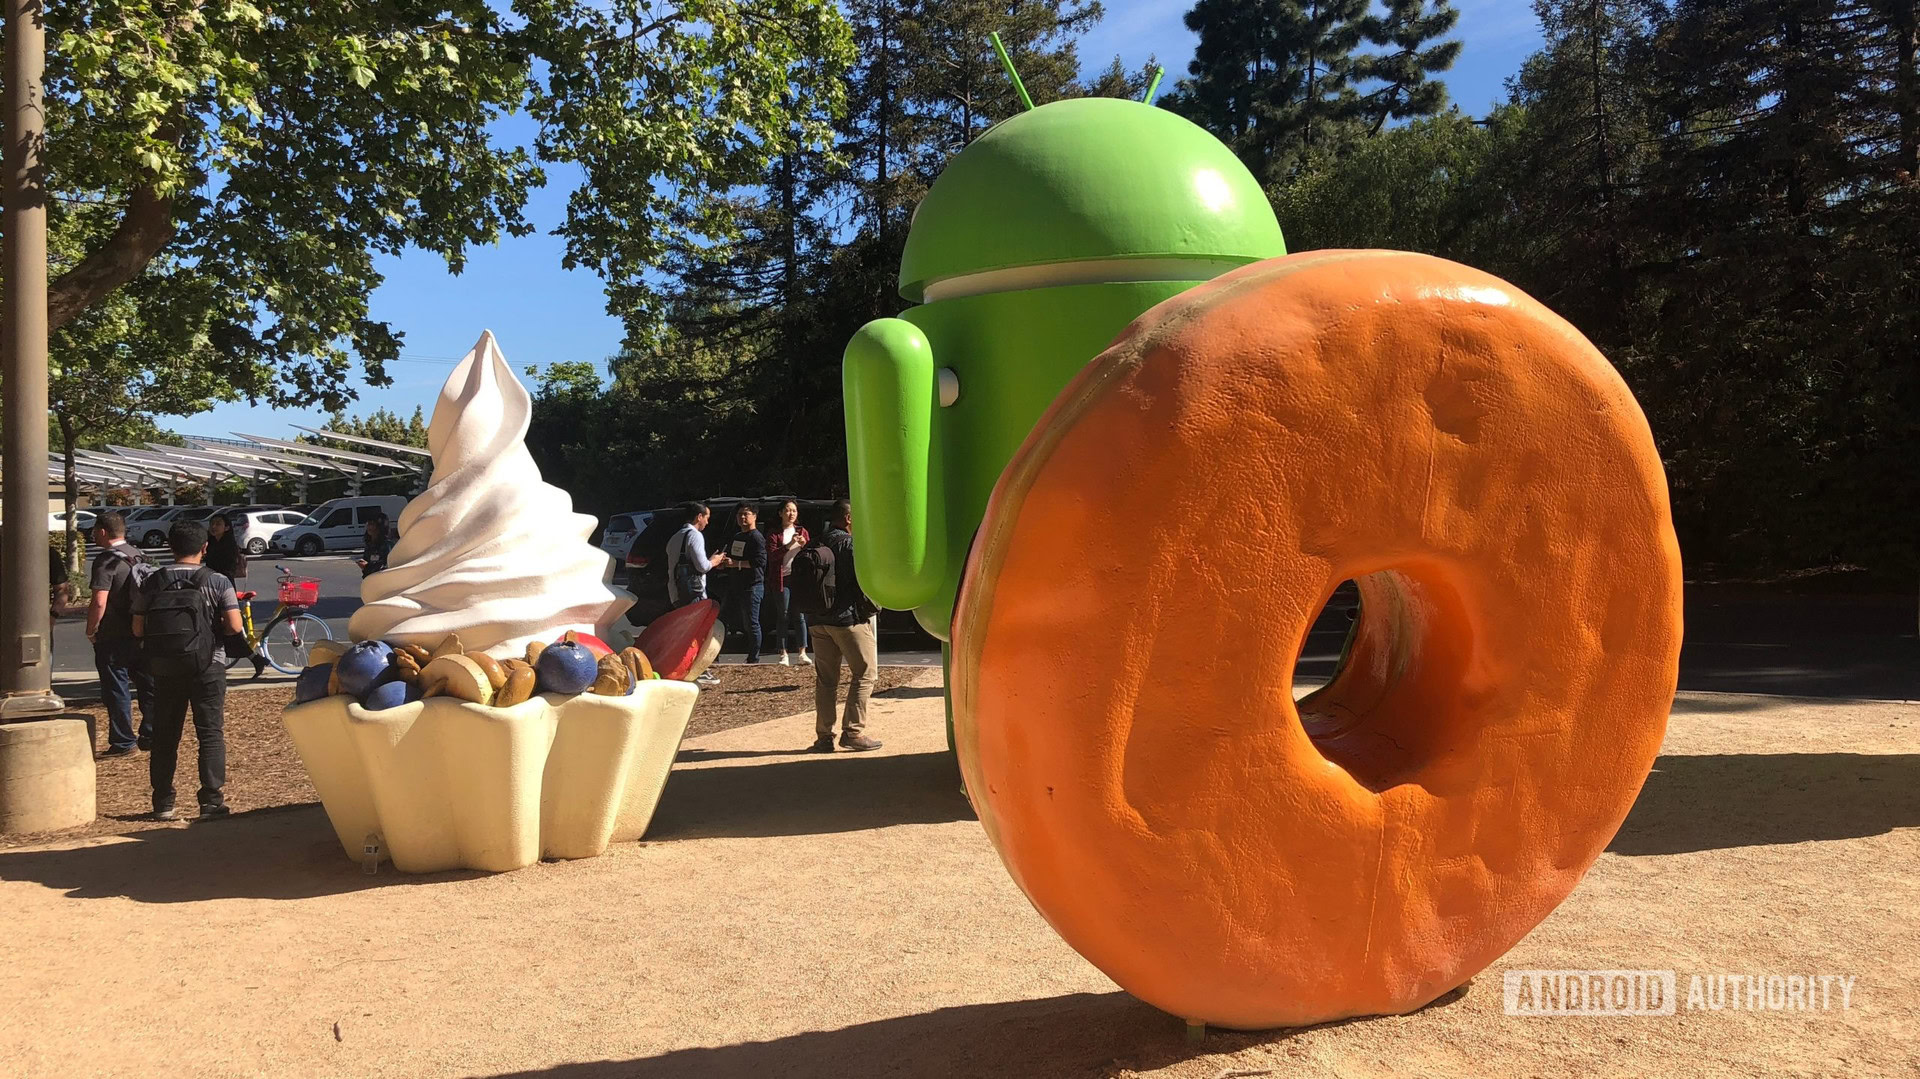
{"x": 46, "y": 767}
{"x": 26, "y": 665}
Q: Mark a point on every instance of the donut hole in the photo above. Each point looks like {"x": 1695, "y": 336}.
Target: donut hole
{"x": 1324, "y": 650}
{"x": 1384, "y": 716}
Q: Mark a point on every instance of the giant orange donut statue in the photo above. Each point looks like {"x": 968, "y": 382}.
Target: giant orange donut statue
{"x": 1128, "y": 621}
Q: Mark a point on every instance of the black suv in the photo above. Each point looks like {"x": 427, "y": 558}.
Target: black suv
{"x": 646, "y": 561}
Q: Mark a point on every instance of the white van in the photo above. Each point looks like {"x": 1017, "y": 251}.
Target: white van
{"x": 338, "y": 525}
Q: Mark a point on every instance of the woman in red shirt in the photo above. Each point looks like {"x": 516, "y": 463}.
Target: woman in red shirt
{"x": 784, "y": 540}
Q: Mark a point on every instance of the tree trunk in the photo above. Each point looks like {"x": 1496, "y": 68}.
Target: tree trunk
{"x": 1906, "y": 99}
{"x": 72, "y": 550}
{"x": 884, "y": 125}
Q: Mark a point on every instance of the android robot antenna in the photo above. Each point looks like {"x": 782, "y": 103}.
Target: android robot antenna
{"x": 1007, "y": 62}
{"x": 1154, "y": 86}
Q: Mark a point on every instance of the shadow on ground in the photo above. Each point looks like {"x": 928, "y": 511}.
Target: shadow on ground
{"x": 912, "y": 692}
{"x": 1080, "y": 1034}
{"x": 288, "y": 852}
{"x": 844, "y": 792}
{"x": 1712, "y": 802}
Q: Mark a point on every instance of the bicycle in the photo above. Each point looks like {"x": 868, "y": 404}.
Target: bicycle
{"x": 291, "y": 631}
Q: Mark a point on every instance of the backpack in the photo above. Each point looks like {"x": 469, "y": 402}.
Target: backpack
{"x": 811, "y": 580}
{"x": 139, "y": 568}
{"x": 119, "y": 615}
{"x": 686, "y": 583}
{"x": 179, "y": 639}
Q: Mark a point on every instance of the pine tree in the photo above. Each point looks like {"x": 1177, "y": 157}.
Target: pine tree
{"x": 1406, "y": 33}
{"x": 1274, "y": 78}
{"x": 958, "y": 88}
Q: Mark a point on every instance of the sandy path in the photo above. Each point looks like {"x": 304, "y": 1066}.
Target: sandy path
{"x": 798, "y": 915}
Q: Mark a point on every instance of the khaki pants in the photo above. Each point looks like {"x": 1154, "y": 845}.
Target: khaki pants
{"x": 858, "y": 645}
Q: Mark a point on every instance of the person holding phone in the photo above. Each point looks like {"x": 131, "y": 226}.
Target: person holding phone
{"x": 784, "y": 541}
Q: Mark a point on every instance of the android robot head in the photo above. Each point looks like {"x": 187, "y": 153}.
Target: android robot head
{"x": 1039, "y": 243}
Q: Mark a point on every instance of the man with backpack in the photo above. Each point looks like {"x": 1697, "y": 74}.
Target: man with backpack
{"x": 117, "y": 574}
{"x": 181, "y": 615}
{"x": 826, "y": 588}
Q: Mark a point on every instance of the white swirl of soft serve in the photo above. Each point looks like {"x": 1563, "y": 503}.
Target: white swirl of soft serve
{"x": 489, "y": 550}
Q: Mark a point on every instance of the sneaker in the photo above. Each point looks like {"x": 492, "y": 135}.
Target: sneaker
{"x": 806, "y": 659}
{"x": 143, "y": 743}
{"x": 116, "y": 751}
{"x": 215, "y": 812}
{"x": 165, "y": 813}
{"x": 859, "y": 742}
{"x": 823, "y": 744}
{"x": 259, "y": 664}
{"x": 708, "y": 678}
{"x": 784, "y": 661}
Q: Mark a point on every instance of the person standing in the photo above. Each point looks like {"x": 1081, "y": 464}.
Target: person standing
{"x": 846, "y": 630}
{"x": 782, "y": 544}
{"x": 687, "y": 560}
{"x": 180, "y": 614}
{"x": 688, "y": 566}
{"x": 377, "y": 540}
{"x": 746, "y": 573}
{"x": 225, "y": 556}
{"x": 116, "y": 575}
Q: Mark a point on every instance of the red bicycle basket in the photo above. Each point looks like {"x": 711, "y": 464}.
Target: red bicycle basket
{"x": 299, "y": 591}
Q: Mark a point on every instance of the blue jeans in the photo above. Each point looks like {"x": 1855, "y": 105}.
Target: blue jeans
{"x": 744, "y": 602}
{"x": 782, "y": 620}
{"x": 122, "y": 681}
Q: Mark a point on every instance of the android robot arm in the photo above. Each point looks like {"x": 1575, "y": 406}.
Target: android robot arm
{"x": 893, "y": 395}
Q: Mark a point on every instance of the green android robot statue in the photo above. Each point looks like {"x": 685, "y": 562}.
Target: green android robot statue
{"x": 1038, "y": 244}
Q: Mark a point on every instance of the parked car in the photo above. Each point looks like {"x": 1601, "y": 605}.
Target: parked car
{"x": 151, "y": 531}
{"x": 82, "y": 521}
{"x": 621, "y": 529}
{"x": 337, "y": 525}
{"x": 258, "y": 527}
{"x": 646, "y": 561}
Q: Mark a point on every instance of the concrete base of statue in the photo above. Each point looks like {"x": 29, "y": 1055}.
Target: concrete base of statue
{"x": 446, "y": 784}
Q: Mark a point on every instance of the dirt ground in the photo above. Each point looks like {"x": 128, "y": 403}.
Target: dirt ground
{"x": 793, "y": 915}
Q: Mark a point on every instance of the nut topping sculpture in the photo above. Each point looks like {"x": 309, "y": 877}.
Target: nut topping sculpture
{"x": 479, "y": 720}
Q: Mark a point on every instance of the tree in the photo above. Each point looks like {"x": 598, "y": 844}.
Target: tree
{"x": 278, "y": 148}
{"x": 381, "y": 424}
{"x": 142, "y": 352}
{"x": 1435, "y": 185}
{"x": 1407, "y": 34}
{"x": 1274, "y": 78}
{"x": 957, "y": 87}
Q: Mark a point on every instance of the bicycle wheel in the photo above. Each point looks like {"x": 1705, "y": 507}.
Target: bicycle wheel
{"x": 286, "y": 639}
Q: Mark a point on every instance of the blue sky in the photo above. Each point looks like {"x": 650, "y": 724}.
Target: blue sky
{"x": 543, "y": 314}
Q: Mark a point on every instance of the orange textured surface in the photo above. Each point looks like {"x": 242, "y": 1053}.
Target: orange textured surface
{"x": 1150, "y": 564}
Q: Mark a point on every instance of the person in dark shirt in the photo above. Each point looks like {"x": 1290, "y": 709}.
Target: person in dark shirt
{"x": 110, "y": 628}
{"x": 225, "y": 556}
{"x": 746, "y": 570}
{"x": 205, "y": 692}
{"x": 847, "y": 630}
{"x": 379, "y": 543}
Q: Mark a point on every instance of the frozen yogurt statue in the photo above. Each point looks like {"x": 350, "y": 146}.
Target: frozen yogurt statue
{"x": 478, "y": 719}
{"x": 490, "y": 550}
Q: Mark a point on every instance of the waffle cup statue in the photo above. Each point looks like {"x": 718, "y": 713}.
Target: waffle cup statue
{"x": 478, "y": 719}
